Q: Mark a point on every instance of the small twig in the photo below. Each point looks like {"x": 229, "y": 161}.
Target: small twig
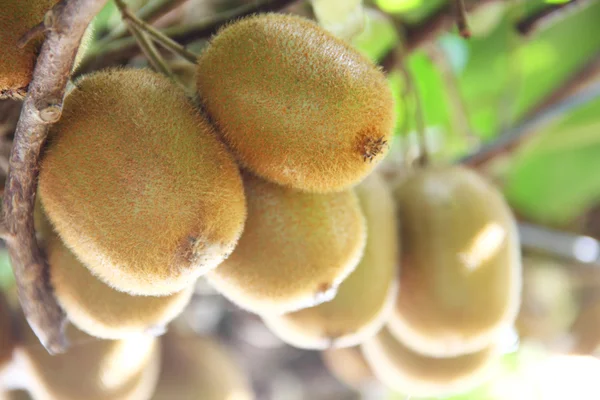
{"x": 148, "y": 48}
{"x": 151, "y": 52}
{"x": 158, "y": 36}
{"x": 150, "y": 12}
{"x": 509, "y": 140}
{"x": 119, "y": 51}
{"x": 42, "y": 107}
{"x": 34, "y": 33}
{"x": 461, "y": 19}
{"x": 546, "y": 15}
{"x": 440, "y": 21}
{"x": 579, "y": 248}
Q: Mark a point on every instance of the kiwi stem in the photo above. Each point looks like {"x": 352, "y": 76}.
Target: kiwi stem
{"x": 155, "y": 34}
{"x": 150, "y": 12}
{"x": 33, "y": 33}
{"x": 461, "y": 19}
{"x": 151, "y": 52}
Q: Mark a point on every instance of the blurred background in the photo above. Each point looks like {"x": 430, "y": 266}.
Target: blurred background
{"x": 519, "y": 100}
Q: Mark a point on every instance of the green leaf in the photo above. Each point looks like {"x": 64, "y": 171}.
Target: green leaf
{"x": 398, "y": 6}
{"x": 552, "y": 179}
{"x": 7, "y": 278}
{"x": 507, "y": 75}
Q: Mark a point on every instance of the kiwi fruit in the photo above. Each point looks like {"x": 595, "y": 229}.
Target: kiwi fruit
{"x": 349, "y": 366}
{"x": 461, "y": 262}
{"x": 414, "y": 374}
{"x": 91, "y": 369}
{"x": 296, "y": 248}
{"x": 296, "y": 105}
{"x": 101, "y": 311}
{"x": 138, "y": 186}
{"x": 195, "y": 367}
{"x": 549, "y": 301}
{"x": 366, "y": 298}
{"x": 15, "y": 395}
{"x": 585, "y": 329}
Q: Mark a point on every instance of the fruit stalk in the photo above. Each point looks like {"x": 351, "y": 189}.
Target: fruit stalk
{"x": 136, "y": 24}
{"x": 42, "y": 107}
{"x": 148, "y": 48}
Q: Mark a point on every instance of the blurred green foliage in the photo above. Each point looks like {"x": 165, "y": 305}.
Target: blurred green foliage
{"x": 497, "y": 79}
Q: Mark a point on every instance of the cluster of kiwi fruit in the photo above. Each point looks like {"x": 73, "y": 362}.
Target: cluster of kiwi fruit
{"x": 458, "y": 274}
{"x": 177, "y": 365}
{"x": 266, "y": 185}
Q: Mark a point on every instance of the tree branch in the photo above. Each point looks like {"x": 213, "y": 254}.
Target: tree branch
{"x": 546, "y": 15}
{"x": 119, "y": 51}
{"x": 440, "y": 21}
{"x": 507, "y": 141}
{"x": 42, "y": 107}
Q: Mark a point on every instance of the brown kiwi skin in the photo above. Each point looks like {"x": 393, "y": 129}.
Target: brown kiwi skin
{"x": 167, "y": 202}
{"x": 16, "y": 66}
{"x": 413, "y": 374}
{"x": 461, "y": 262}
{"x": 296, "y": 248}
{"x": 311, "y": 112}
{"x": 366, "y": 298}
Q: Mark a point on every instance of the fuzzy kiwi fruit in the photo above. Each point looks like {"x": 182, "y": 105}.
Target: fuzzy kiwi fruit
{"x": 549, "y": 301}
{"x": 296, "y": 105}
{"x": 461, "y": 262}
{"x": 414, "y": 374}
{"x": 101, "y": 311}
{"x": 91, "y": 369}
{"x": 296, "y": 248}
{"x": 137, "y": 185}
{"x": 349, "y": 366}
{"x": 196, "y": 367}
{"x": 365, "y": 299}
